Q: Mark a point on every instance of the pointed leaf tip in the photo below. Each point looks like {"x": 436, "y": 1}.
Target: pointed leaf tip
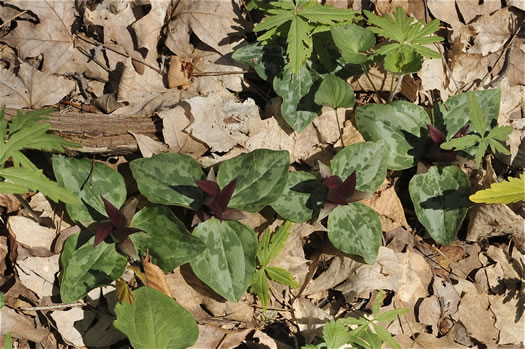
{"x": 117, "y": 218}
{"x": 209, "y": 187}
{"x": 437, "y": 136}
{"x": 103, "y": 230}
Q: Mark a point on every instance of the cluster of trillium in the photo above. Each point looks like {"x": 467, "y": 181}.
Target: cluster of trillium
{"x": 338, "y": 192}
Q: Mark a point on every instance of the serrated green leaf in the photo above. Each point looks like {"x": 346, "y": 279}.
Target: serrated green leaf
{"x": 298, "y": 107}
{"x": 480, "y": 152}
{"x": 85, "y": 267}
{"x": 335, "y": 334}
{"x": 355, "y": 229}
{"x": 88, "y": 181}
{"x": 278, "y": 19}
{"x": 377, "y": 303}
{"x": 299, "y": 44}
{"x": 401, "y": 125}
{"x": 476, "y": 115}
{"x": 440, "y": 201}
{"x": 302, "y": 195}
{"x": 385, "y": 336}
{"x": 164, "y": 237}
{"x": 269, "y": 248}
{"x": 260, "y": 287}
{"x": 148, "y": 322}
{"x": 228, "y": 262}
{"x": 496, "y": 146}
{"x": 281, "y": 276}
{"x": 403, "y": 60}
{"x": 425, "y": 51}
{"x": 501, "y": 133}
{"x": 504, "y": 192}
{"x": 352, "y": 321}
{"x": 327, "y": 14}
{"x": 261, "y": 176}
{"x": 461, "y": 143}
{"x": 367, "y": 159}
{"x": 335, "y": 92}
{"x": 169, "y": 179}
{"x": 390, "y": 315}
{"x": 351, "y": 40}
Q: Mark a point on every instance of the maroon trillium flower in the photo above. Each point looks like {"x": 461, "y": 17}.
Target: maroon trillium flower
{"x": 216, "y": 201}
{"x": 435, "y": 153}
{"x": 118, "y": 225}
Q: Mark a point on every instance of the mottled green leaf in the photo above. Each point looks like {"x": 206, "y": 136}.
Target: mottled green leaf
{"x": 454, "y": 114}
{"x": 88, "y": 181}
{"x": 440, "y": 199}
{"x": 302, "y": 195}
{"x": 228, "y": 262}
{"x": 351, "y": 40}
{"x": 155, "y": 320}
{"x": 355, "y": 229}
{"x": 85, "y": 267}
{"x": 401, "y": 125}
{"x": 267, "y": 60}
{"x": 335, "y": 92}
{"x": 261, "y": 176}
{"x": 166, "y": 238}
{"x": 298, "y": 107}
{"x": 169, "y": 179}
{"x": 367, "y": 159}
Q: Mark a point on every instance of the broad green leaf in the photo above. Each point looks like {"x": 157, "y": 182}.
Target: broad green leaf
{"x": 281, "y": 276}
{"x": 351, "y": 40}
{"x": 85, "y": 267}
{"x": 165, "y": 237}
{"x": 391, "y": 315}
{"x": 88, "y": 181}
{"x": 403, "y": 60}
{"x": 355, "y": 229}
{"x": 155, "y": 320}
{"x": 479, "y": 123}
{"x": 298, "y": 107}
{"x": 272, "y": 244}
{"x": 454, "y": 114}
{"x": 504, "y": 192}
{"x": 228, "y": 262}
{"x": 302, "y": 195}
{"x": 261, "y": 176}
{"x": 385, "y": 336}
{"x": 461, "y": 143}
{"x": 335, "y": 92}
{"x": 23, "y": 180}
{"x": 260, "y": 287}
{"x": 440, "y": 199}
{"x": 501, "y": 133}
{"x": 368, "y": 159}
{"x": 335, "y": 334}
{"x": 169, "y": 179}
{"x": 401, "y": 125}
{"x": 267, "y": 60}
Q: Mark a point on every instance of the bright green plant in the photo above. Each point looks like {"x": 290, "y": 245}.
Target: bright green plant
{"x": 506, "y": 192}
{"x": 268, "y": 249}
{"x": 366, "y": 332}
{"x": 29, "y": 131}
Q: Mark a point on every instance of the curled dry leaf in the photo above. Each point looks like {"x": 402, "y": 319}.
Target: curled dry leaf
{"x": 155, "y": 277}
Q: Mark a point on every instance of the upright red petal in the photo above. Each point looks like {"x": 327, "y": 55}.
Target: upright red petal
{"x": 461, "y": 132}
{"x": 116, "y": 217}
{"x": 437, "y": 136}
{"x": 209, "y": 187}
{"x": 332, "y": 182}
{"x": 348, "y": 186}
{"x": 225, "y": 195}
{"x": 103, "y": 230}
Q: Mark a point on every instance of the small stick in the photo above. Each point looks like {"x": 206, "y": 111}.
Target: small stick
{"x": 53, "y": 306}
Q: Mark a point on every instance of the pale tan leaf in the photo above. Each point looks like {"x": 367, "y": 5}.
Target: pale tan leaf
{"x": 148, "y": 146}
{"x": 20, "y": 326}
{"x": 155, "y": 277}
{"x": 211, "y": 336}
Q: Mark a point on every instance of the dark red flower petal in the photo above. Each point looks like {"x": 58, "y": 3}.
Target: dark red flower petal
{"x": 232, "y": 214}
{"x": 209, "y": 187}
{"x": 225, "y": 195}
{"x": 461, "y": 132}
{"x": 437, "y": 136}
{"x": 332, "y": 182}
{"x": 115, "y": 216}
{"x": 103, "y": 230}
{"x": 348, "y": 186}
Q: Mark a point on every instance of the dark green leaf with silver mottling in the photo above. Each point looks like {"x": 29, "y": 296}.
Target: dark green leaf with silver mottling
{"x": 166, "y": 238}
{"x": 440, "y": 199}
{"x": 355, "y": 229}
{"x": 401, "y": 125}
{"x": 261, "y": 177}
{"x": 228, "y": 262}
{"x": 368, "y": 159}
{"x": 76, "y": 175}
{"x": 451, "y": 116}
{"x": 169, "y": 179}
{"x": 85, "y": 267}
{"x": 267, "y": 60}
{"x": 298, "y": 107}
{"x": 149, "y": 321}
{"x": 301, "y": 196}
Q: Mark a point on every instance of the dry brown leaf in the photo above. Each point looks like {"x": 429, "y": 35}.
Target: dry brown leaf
{"x": 327, "y": 124}
{"x": 340, "y": 269}
{"x": 38, "y": 273}
{"x": 510, "y": 319}
{"x": 492, "y": 31}
{"x": 309, "y": 318}
{"x": 29, "y": 233}
{"x": 20, "y": 326}
{"x": 447, "y": 295}
{"x": 444, "y": 11}
{"x": 487, "y": 220}
{"x": 148, "y": 146}
{"x": 211, "y": 336}
{"x": 3, "y": 254}
{"x": 155, "y": 277}
{"x": 178, "y": 74}
{"x": 10, "y": 202}
{"x": 426, "y": 340}
{"x": 429, "y": 311}
{"x": 471, "y": 9}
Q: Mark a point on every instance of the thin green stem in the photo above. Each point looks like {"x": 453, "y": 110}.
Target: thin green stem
{"x": 339, "y": 127}
{"x": 394, "y": 91}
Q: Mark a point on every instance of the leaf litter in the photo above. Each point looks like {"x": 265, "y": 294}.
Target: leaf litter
{"x": 125, "y": 53}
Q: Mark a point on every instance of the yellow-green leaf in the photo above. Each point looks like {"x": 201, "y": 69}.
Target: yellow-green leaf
{"x": 505, "y": 192}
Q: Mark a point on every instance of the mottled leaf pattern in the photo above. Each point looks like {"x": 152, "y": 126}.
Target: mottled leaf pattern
{"x": 166, "y": 238}
{"x": 267, "y": 60}
{"x": 367, "y": 159}
{"x": 85, "y": 267}
{"x": 298, "y": 107}
{"x": 76, "y": 175}
{"x": 169, "y": 179}
{"x": 401, "y": 125}
{"x": 228, "y": 262}
{"x": 301, "y": 196}
{"x": 355, "y": 229}
{"x": 440, "y": 199}
{"x": 261, "y": 176}
{"x": 149, "y": 321}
